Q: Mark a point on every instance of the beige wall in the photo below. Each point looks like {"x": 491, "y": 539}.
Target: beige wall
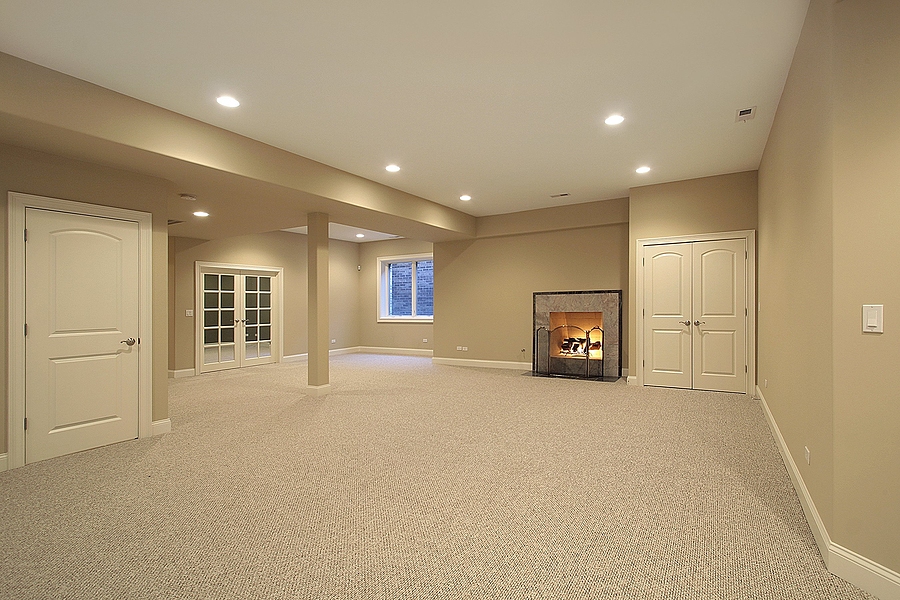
{"x": 46, "y": 175}
{"x": 274, "y": 249}
{"x": 795, "y": 261}
{"x": 829, "y": 216}
{"x": 483, "y": 288}
{"x": 867, "y": 271}
{"x": 388, "y": 335}
{"x": 707, "y": 205}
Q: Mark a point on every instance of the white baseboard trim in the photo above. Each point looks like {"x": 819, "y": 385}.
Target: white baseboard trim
{"x": 483, "y": 364}
{"x": 630, "y": 379}
{"x": 806, "y": 501}
{"x": 160, "y": 427}
{"x": 397, "y": 351}
{"x": 318, "y": 390}
{"x": 866, "y": 574}
{"x": 362, "y": 350}
{"x": 177, "y": 373}
{"x": 4, "y": 462}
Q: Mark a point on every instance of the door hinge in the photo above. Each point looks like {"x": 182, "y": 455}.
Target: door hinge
{"x": 746, "y": 312}
{"x": 139, "y": 341}
{"x": 26, "y": 329}
{"x": 745, "y": 368}
{"x": 746, "y": 254}
{"x": 26, "y": 235}
{"x": 643, "y": 363}
{"x": 26, "y": 424}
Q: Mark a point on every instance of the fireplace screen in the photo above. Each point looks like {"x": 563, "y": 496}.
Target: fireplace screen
{"x": 575, "y": 334}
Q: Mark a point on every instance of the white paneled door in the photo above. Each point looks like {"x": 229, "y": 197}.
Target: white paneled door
{"x": 695, "y": 315}
{"x": 238, "y": 319}
{"x": 81, "y": 348}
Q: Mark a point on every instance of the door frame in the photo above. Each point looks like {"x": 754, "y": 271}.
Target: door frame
{"x": 749, "y": 237}
{"x": 17, "y": 204}
{"x": 277, "y": 272}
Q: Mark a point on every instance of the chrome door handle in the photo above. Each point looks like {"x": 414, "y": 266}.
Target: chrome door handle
{"x": 698, "y": 323}
{"x": 130, "y": 342}
{"x": 685, "y": 322}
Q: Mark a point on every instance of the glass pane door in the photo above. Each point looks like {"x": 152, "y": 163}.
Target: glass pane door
{"x": 237, "y": 317}
{"x": 258, "y": 316}
{"x": 218, "y": 319}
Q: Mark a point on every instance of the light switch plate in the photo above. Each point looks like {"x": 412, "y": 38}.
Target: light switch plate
{"x": 873, "y": 318}
{"x": 189, "y": 313}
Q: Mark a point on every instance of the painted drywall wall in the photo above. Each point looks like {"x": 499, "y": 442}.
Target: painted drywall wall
{"x": 42, "y": 174}
{"x": 484, "y": 287}
{"x": 706, "y": 205}
{"x": 795, "y": 261}
{"x": 388, "y": 335}
{"x": 274, "y": 249}
{"x": 866, "y": 258}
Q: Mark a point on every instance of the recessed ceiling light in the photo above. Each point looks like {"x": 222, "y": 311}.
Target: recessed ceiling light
{"x": 228, "y": 101}
{"x": 642, "y": 170}
{"x": 465, "y": 197}
{"x": 360, "y": 235}
{"x": 392, "y": 168}
{"x": 201, "y": 213}
{"x": 614, "y": 119}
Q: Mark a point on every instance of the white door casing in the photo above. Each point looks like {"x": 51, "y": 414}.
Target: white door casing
{"x": 238, "y": 318}
{"x": 87, "y": 271}
{"x": 696, "y": 330}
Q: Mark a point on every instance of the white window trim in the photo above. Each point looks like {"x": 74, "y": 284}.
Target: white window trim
{"x": 382, "y": 262}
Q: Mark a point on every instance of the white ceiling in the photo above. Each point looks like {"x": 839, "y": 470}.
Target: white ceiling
{"x": 347, "y": 233}
{"x": 503, "y": 100}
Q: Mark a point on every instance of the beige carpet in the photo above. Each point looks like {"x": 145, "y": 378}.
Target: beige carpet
{"x": 418, "y": 481}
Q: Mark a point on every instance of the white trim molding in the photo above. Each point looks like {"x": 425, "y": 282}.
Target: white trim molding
{"x": 484, "y": 364}
{"x": 4, "y": 462}
{"x": 318, "y": 390}
{"x": 396, "y": 351}
{"x": 179, "y": 373}
{"x": 17, "y": 205}
{"x": 160, "y": 427}
{"x": 866, "y": 574}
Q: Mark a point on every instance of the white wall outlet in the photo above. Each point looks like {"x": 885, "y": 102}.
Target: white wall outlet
{"x": 806, "y": 454}
{"x": 334, "y": 341}
{"x": 189, "y": 312}
{"x": 424, "y": 340}
{"x": 465, "y": 348}
{"x": 459, "y": 348}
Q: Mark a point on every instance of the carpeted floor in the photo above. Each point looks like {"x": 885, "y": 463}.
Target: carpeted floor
{"x": 413, "y": 480}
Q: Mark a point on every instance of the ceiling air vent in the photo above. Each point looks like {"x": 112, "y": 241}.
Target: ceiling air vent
{"x": 744, "y": 114}
{"x": 174, "y": 222}
{"x": 559, "y": 195}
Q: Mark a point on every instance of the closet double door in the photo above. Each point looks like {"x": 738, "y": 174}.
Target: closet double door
{"x": 237, "y": 325}
{"x": 695, "y": 315}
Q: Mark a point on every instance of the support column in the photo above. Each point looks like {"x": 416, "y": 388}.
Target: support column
{"x": 317, "y": 277}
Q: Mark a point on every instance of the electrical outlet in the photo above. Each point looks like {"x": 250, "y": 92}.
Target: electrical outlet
{"x": 334, "y": 341}
{"x": 465, "y": 348}
{"x": 189, "y": 312}
{"x": 424, "y": 340}
{"x": 765, "y": 383}
{"x": 806, "y": 453}
{"x": 459, "y": 348}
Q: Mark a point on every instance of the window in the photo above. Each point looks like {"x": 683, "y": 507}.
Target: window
{"x": 406, "y": 288}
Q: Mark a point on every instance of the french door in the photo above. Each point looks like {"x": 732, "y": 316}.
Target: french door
{"x": 695, "y": 317}
{"x": 239, "y": 323}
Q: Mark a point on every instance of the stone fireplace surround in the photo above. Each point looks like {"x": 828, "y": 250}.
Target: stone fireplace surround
{"x": 609, "y": 302}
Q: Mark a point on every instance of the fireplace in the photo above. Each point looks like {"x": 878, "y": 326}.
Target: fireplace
{"x": 577, "y": 334}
